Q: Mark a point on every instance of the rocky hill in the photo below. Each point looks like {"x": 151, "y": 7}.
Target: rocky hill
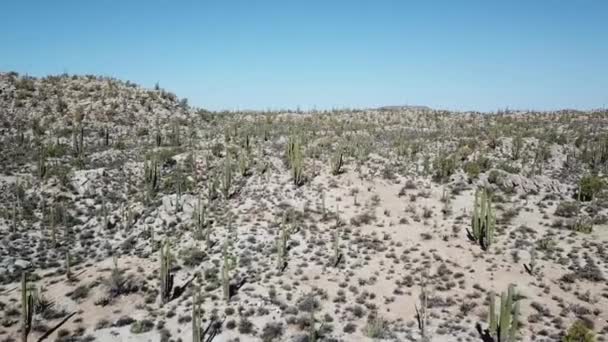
{"x": 126, "y": 215}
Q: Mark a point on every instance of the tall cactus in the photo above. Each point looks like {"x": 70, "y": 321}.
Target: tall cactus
{"x": 484, "y": 220}
{"x": 516, "y": 147}
{"x": 244, "y": 166}
{"x": 151, "y": 176}
{"x": 158, "y": 134}
{"x": 422, "y": 311}
{"x": 228, "y": 265}
{"x": 196, "y": 318}
{"x": 199, "y": 219}
{"x": 504, "y": 328}
{"x": 27, "y": 309}
{"x": 14, "y": 218}
{"x": 78, "y": 139}
{"x": 68, "y": 266}
{"x": 227, "y": 177}
{"x": 282, "y": 242}
{"x": 336, "y": 163}
{"x": 336, "y": 246}
{"x": 295, "y": 160}
{"x": 212, "y": 186}
{"x": 166, "y": 278}
{"x": 41, "y": 168}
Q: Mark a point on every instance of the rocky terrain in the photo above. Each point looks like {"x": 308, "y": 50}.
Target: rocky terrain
{"x": 127, "y": 215}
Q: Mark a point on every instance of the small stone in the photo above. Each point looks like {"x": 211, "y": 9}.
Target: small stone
{"x": 22, "y": 263}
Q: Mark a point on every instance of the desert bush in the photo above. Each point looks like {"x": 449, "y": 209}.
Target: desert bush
{"x": 472, "y": 169}
{"x": 142, "y": 326}
{"x": 272, "y": 331}
{"x": 445, "y": 166}
{"x": 567, "y": 209}
{"x": 589, "y": 186}
{"x": 579, "y": 332}
{"x": 376, "y": 327}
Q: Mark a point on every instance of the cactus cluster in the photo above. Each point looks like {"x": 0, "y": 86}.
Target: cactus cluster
{"x": 504, "y": 327}
{"x": 484, "y": 220}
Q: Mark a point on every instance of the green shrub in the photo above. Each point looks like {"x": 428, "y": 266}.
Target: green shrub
{"x": 567, "y": 209}
{"x": 589, "y": 186}
{"x": 472, "y": 169}
{"x": 579, "y": 332}
{"x": 142, "y": 326}
{"x": 376, "y": 327}
{"x": 494, "y": 176}
{"x": 444, "y": 166}
{"x": 56, "y": 150}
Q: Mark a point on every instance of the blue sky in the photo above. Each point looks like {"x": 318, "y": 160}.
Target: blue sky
{"x": 479, "y": 55}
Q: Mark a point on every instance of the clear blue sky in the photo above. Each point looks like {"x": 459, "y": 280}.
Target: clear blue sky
{"x": 481, "y": 55}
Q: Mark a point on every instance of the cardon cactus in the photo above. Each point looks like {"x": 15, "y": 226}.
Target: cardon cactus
{"x": 504, "y": 328}
{"x": 166, "y": 278}
{"x": 27, "y": 309}
{"x": 228, "y": 265}
{"x": 484, "y": 220}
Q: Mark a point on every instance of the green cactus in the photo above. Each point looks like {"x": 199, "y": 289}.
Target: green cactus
{"x": 166, "y": 278}
{"x": 212, "y": 187}
{"x": 336, "y": 163}
{"x": 178, "y": 193}
{"x": 158, "y": 134}
{"x": 196, "y": 318}
{"x": 41, "y": 168}
{"x": 151, "y": 176}
{"x": 27, "y": 308}
{"x": 78, "y": 140}
{"x": 295, "y": 161}
{"x": 227, "y": 177}
{"x": 504, "y": 328}
{"x": 198, "y": 216}
{"x": 106, "y": 136}
{"x": 336, "y": 246}
{"x": 68, "y": 266}
{"x": 14, "y": 218}
{"x": 484, "y": 220}
{"x": 282, "y": 242}
{"x": 229, "y": 264}
{"x": 244, "y": 164}
{"x": 516, "y": 147}
{"x": 105, "y": 214}
{"x": 422, "y": 312}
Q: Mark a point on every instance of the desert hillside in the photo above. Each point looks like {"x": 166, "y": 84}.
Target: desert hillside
{"x": 127, "y": 215}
